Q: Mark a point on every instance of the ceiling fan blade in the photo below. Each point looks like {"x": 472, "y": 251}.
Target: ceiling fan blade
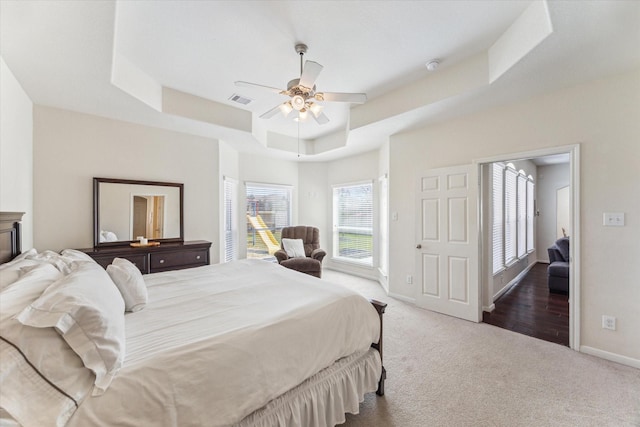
{"x": 322, "y": 119}
{"x": 255, "y": 85}
{"x": 272, "y": 112}
{"x": 310, "y": 73}
{"x": 356, "y": 98}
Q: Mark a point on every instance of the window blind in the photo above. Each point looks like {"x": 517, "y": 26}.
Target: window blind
{"x": 497, "y": 214}
{"x": 511, "y": 214}
{"x": 522, "y": 215}
{"x": 353, "y": 222}
{"x": 530, "y": 215}
{"x": 230, "y": 220}
{"x": 384, "y": 224}
{"x": 268, "y": 211}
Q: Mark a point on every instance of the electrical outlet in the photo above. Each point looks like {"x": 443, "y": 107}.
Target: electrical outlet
{"x": 409, "y": 279}
{"x": 608, "y": 322}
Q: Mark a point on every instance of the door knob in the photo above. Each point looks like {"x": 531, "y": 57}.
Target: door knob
{"x": 419, "y": 246}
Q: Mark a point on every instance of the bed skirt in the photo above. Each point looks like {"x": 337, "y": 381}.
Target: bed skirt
{"x": 323, "y": 399}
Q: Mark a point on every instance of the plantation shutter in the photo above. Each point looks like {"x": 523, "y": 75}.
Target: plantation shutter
{"x": 230, "y": 220}
{"x": 353, "y": 222}
{"x": 497, "y": 194}
{"x": 522, "y": 215}
{"x": 511, "y": 214}
{"x": 384, "y": 224}
{"x": 530, "y": 215}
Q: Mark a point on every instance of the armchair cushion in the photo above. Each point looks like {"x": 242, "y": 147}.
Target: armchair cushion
{"x": 294, "y": 248}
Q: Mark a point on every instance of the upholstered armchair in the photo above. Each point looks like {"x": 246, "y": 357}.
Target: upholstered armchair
{"x": 558, "y": 270}
{"x": 311, "y": 261}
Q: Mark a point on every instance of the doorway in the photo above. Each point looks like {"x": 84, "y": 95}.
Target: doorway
{"x": 520, "y": 283}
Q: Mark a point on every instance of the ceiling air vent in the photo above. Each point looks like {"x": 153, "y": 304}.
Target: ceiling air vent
{"x": 240, "y": 99}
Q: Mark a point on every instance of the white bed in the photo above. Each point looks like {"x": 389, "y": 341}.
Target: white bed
{"x": 245, "y": 343}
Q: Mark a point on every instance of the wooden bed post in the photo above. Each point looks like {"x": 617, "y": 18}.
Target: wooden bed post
{"x": 380, "y": 308}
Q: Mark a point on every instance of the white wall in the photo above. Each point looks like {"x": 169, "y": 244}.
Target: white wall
{"x": 550, "y": 179}
{"x": 314, "y": 193}
{"x": 71, "y": 148}
{"x": 604, "y": 117}
{"x": 16, "y": 152}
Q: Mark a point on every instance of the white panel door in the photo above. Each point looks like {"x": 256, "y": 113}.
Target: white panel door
{"x": 447, "y": 242}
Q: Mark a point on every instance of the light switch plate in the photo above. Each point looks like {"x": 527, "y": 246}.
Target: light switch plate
{"x": 613, "y": 219}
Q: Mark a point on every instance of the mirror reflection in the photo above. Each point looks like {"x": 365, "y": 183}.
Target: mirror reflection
{"x": 128, "y": 210}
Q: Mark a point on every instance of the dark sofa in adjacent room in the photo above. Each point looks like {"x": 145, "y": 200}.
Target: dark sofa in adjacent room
{"x": 558, "y": 270}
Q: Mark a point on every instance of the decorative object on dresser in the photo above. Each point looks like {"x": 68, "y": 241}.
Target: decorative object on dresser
{"x": 152, "y": 259}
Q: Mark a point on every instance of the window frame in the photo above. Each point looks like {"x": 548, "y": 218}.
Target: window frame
{"x": 289, "y": 211}
{"x": 367, "y": 261}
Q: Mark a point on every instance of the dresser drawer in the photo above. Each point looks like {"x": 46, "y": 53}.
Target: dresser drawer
{"x": 153, "y": 259}
{"x": 139, "y": 260}
{"x": 179, "y": 259}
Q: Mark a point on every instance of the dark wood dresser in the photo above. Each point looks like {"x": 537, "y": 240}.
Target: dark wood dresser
{"x": 153, "y": 259}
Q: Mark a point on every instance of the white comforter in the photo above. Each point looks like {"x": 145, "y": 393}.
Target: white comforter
{"x": 216, "y": 343}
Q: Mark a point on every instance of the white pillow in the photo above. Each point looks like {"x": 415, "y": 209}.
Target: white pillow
{"x": 88, "y": 311}
{"x": 18, "y": 258}
{"x": 11, "y": 273}
{"x": 294, "y": 248}
{"x": 54, "y": 259}
{"x": 42, "y": 377}
{"x": 129, "y": 281}
{"x": 34, "y": 279}
{"x": 76, "y": 255}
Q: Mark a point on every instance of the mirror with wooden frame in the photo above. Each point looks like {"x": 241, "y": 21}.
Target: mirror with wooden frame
{"x": 125, "y": 210}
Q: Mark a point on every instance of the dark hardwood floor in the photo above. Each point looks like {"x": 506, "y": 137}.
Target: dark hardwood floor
{"x": 530, "y": 309}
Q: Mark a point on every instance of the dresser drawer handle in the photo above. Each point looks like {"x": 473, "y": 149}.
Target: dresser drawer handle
{"x": 198, "y": 257}
{"x": 161, "y": 261}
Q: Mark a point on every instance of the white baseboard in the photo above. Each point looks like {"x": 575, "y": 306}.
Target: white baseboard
{"x": 513, "y": 281}
{"x": 489, "y": 309}
{"x": 623, "y": 360}
{"x": 383, "y": 280}
{"x": 402, "y": 298}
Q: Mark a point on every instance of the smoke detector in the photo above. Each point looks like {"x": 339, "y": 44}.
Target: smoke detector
{"x": 433, "y": 64}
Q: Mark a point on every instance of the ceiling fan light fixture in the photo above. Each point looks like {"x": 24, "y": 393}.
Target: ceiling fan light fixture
{"x": 297, "y": 102}
{"x": 316, "y": 109}
{"x": 302, "y": 115}
{"x": 286, "y": 108}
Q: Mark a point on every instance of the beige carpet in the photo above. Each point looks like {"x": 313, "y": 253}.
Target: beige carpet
{"x": 442, "y": 371}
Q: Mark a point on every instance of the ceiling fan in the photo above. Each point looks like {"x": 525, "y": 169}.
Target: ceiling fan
{"x": 303, "y": 95}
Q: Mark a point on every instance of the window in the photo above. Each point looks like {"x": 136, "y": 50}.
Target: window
{"x": 530, "y": 214}
{"x": 268, "y": 211}
{"x": 353, "y": 223}
{"x": 522, "y": 215}
{"x": 230, "y": 219}
{"x": 512, "y": 213}
{"x": 384, "y": 224}
{"x": 497, "y": 193}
